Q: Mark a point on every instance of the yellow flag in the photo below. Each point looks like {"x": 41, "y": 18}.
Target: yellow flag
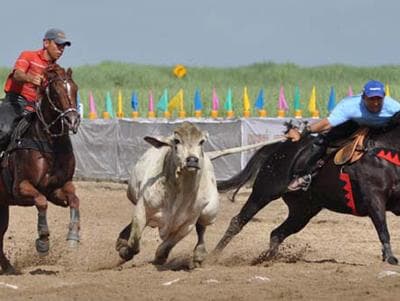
{"x": 246, "y": 100}
{"x": 119, "y": 109}
{"x": 312, "y": 104}
{"x": 176, "y": 102}
{"x": 387, "y": 90}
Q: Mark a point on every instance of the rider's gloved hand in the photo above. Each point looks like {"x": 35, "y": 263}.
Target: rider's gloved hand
{"x": 293, "y": 135}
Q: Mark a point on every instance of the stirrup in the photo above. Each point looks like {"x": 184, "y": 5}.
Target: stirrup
{"x": 307, "y": 182}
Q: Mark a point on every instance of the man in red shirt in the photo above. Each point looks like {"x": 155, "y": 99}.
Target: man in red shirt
{"x": 26, "y": 76}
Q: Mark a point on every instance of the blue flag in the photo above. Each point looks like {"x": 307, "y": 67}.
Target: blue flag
{"x": 134, "y": 102}
{"x": 332, "y": 100}
{"x": 259, "y": 104}
{"x": 198, "y": 106}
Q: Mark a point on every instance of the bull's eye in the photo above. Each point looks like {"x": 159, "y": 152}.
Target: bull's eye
{"x": 176, "y": 141}
{"x": 201, "y": 142}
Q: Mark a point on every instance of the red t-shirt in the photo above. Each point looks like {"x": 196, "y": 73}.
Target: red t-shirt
{"x": 30, "y": 62}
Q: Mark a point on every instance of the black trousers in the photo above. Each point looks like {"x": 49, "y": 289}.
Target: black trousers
{"x": 12, "y": 110}
{"x": 322, "y": 141}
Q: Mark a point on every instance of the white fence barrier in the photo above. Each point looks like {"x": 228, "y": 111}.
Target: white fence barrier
{"x": 107, "y": 149}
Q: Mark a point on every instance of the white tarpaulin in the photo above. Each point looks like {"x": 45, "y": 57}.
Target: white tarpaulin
{"x": 107, "y": 149}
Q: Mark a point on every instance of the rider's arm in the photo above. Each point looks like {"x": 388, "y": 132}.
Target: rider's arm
{"x": 320, "y": 126}
{"x": 317, "y": 127}
{"x": 23, "y": 77}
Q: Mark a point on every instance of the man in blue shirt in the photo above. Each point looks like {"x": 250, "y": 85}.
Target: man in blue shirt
{"x": 371, "y": 108}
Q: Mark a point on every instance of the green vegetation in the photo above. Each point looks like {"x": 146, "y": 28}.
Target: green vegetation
{"x": 112, "y": 76}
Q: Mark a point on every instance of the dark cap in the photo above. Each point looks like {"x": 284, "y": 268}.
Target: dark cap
{"x": 58, "y": 36}
{"x": 374, "y": 88}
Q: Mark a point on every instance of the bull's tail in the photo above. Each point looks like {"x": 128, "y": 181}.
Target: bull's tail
{"x": 250, "y": 170}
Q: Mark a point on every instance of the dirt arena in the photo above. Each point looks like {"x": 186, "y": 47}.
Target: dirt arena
{"x": 336, "y": 257}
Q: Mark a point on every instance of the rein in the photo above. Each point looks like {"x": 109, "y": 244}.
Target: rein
{"x": 60, "y": 117}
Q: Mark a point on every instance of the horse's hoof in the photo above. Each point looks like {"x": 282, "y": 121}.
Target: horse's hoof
{"x": 9, "y": 270}
{"x": 73, "y": 244}
{"x": 126, "y": 253}
{"x": 42, "y": 247}
{"x": 393, "y": 260}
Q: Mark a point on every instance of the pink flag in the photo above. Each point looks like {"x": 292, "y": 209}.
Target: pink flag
{"x": 92, "y": 104}
{"x": 215, "y": 101}
{"x": 151, "y": 102}
{"x": 350, "y": 91}
{"x": 282, "y": 104}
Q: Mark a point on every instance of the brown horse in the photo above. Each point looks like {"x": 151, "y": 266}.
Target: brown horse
{"x": 39, "y": 163}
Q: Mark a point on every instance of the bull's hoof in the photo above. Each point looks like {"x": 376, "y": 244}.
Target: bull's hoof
{"x": 72, "y": 244}
{"x": 393, "y": 260}
{"x": 42, "y": 246}
{"x": 126, "y": 253}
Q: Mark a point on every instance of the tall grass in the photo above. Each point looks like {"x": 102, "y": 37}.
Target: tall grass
{"x": 114, "y": 76}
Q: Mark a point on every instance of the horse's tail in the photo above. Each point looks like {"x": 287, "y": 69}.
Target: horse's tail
{"x": 250, "y": 170}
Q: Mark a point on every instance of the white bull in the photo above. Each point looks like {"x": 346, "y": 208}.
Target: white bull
{"x": 173, "y": 188}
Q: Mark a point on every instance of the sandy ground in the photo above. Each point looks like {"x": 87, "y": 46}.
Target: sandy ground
{"x": 336, "y": 257}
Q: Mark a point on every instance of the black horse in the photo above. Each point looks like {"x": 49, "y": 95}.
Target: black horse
{"x": 368, "y": 187}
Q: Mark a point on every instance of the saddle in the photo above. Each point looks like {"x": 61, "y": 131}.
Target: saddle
{"x": 352, "y": 150}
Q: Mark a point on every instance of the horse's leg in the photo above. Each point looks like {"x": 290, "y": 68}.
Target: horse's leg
{"x": 66, "y": 196}
{"x": 4, "y": 262}
{"x": 300, "y": 213}
{"x": 42, "y": 243}
{"x": 25, "y": 190}
{"x": 377, "y": 214}
{"x": 255, "y": 202}
{"x": 128, "y": 249}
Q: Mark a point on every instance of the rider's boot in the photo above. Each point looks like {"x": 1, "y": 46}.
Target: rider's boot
{"x": 303, "y": 181}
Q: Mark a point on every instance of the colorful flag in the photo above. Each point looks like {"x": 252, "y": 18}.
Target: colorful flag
{"x": 312, "y": 103}
{"x": 246, "y": 100}
{"x": 151, "y": 102}
{"x": 282, "y": 104}
{"x": 176, "y": 102}
{"x": 198, "y": 106}
{"x": 296, "y": 101}
{"x": 215, "y": 100}
{"x": 332, "y": 100}
{"x": 387, "y": 90}
{"x": 350, "y": 92}
{"x": 228, "y": 101}
{"x": 162, "y": 104}
{"x": 259, "y": 104}
{"x": 134, "y": 101}
{"x": 109, "y": 106}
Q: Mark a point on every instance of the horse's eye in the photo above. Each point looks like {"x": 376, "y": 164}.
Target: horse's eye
{"x": 202, "y": 142}
{"x": 176, "y": 141}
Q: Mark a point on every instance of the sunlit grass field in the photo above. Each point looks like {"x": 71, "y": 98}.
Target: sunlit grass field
{"x": 114, "y": 76}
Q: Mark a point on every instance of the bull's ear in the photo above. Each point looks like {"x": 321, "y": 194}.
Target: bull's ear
{"x": 157, "y": 142}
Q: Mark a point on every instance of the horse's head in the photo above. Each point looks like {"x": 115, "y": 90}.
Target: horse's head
{"x": 57, "y": 108}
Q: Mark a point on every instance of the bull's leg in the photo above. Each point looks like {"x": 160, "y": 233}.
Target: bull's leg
{"x": 6, "y": 266}
{"x": 131, "y": 247}
{"x": 200, "y": 252}
{"x": 300, "y": 213}
{"x": 125, "y": 252}
{"x": 377, "y": 214}
{"x": 66, "y": 196}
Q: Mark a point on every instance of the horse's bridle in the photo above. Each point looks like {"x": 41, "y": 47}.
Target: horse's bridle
{"x": 61, "y": 114}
